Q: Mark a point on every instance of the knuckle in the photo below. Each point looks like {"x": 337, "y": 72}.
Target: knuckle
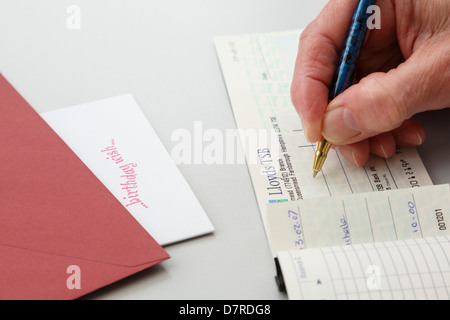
{"x": 387, "y": 110}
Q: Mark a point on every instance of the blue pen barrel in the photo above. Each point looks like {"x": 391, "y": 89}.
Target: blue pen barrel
{"x": 352, "y": 49}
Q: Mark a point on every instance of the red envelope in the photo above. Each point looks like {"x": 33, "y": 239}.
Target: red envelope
{"x": 62, "y": 233}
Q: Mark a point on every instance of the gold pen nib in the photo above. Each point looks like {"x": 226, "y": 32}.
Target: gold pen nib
{"x": 322, "y": 149}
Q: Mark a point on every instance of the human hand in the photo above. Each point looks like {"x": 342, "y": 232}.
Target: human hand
{"x": 404, "y": 69}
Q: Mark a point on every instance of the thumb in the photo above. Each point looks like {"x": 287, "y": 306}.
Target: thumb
{"x": 381, "y": 102}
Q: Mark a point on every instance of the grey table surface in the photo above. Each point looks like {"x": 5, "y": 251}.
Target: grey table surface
{"x": 162, "y": 52}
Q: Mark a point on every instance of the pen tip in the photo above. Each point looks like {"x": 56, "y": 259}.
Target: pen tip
{"x": 314, "y": 174}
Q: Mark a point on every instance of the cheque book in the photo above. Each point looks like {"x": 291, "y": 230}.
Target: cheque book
{"x": 342, "y": 205}
{"x": 415, "y": 269}
{"x": 258, "y": 70}
{"x": 62, "y": 233}
{"x": 384, "y": 245}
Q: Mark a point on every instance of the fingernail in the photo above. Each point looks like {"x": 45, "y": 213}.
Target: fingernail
{"x": 384, "y": 151}
{"x": 348, "y": 154}
{"x": 339, "y": 125}
{"x": 419, "y": 138}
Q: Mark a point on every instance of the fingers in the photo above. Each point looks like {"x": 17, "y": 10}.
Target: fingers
{"x": 410, "y": 134}
{"x": 383, "y": 145}
{"x": 357, "y": 153}
{"x": 381, "y": 102}
{"x": 319, "y": 49}
{"x": 370, "y": 116}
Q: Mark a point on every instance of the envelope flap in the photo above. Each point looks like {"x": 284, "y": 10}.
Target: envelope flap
{"x": 51, "y": 202}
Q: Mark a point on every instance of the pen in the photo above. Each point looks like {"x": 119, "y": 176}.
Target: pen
{"x": 344, "y": 75}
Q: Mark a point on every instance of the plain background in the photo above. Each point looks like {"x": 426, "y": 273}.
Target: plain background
{"x": 162, "y": 52}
